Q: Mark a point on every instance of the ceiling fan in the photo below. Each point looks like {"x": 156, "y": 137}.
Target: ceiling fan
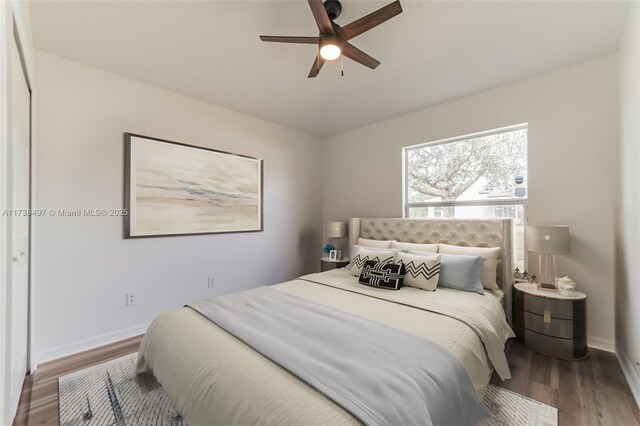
{"x": 333, "y": 40}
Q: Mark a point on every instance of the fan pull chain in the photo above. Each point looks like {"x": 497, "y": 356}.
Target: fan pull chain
{"x": 342, "y": 67}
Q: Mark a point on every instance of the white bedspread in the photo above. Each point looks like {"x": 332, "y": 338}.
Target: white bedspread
{"x": 213, "y": 378}
{"x": 482, "y": 313}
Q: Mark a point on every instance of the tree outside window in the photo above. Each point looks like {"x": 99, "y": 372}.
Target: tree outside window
{"x": 478, "y": 176}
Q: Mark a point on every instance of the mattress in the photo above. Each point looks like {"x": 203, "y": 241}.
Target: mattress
{"x": 213, "y": 378}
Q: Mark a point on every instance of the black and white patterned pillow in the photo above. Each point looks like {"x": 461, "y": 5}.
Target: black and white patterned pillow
{"x": 383, "y": 275}
{"x": 363, "y": 255}
{"x": 421, "y": 271}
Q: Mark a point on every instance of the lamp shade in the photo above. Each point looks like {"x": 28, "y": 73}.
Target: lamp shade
{"x": 548, "y": 238}
{"x": 336, "y": 229}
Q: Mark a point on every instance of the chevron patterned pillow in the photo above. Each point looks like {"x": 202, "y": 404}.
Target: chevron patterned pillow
{"x": 383, "y": 275}
{"x": 420, "y": 271}
{"x": 363, "y": 254}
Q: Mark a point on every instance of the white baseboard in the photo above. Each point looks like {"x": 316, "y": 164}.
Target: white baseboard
{"x": 629, "y": 373}
{"x": 602, "y": 344}
{"x": 90, "y": 343}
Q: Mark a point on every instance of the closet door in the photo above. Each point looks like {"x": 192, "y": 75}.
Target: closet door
{"x": 19, "y": 195}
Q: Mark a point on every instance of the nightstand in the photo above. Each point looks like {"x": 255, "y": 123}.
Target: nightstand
{"x": 550, "y": 323}
{"x": 327, "y": 264}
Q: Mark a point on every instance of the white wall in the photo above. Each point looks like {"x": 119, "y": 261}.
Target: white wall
{"x": 572, "y": 117}
{"x": 84, "y": 265}
{"x": 628, "y": 227}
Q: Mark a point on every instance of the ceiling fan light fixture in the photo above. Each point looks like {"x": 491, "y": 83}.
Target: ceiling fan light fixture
{"x": 329, "y": 52}
{"x": 330, "y": 49}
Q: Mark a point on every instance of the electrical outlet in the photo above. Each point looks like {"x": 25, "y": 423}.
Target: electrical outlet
{"x": 131, "y": 299}
{"x": 211, "y": 282}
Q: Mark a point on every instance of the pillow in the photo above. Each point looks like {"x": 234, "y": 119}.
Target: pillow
{"x": 420, "y": 271}
{"x": 383, "y": 275}
{"x": 364, "y": 254}
{"x": 374, "y": 243}
{"x": 490, "y": 255}
{"x": 432, "y": 248}
{"x": 355, "y": 248}
{"x": 458, "y": 271}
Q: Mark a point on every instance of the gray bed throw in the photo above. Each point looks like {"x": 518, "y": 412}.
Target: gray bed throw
{"x": 381, "y": 375}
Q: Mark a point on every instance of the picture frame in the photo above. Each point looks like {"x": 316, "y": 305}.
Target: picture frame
{"x": 548, "y": 286}
{"x": 333, "y": 255}
{"x": 175, "y": 189}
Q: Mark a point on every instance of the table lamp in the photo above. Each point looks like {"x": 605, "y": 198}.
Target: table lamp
{"x": 336, "y": 230}
{"x": 548, "y": 240}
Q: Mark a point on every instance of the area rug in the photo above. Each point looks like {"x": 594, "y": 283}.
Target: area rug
{"x": 112, "y": 394}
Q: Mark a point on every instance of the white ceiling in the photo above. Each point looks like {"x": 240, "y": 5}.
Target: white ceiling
{"x": 432, "y": 52}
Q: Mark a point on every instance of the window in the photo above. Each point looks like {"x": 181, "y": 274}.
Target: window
{"x": 478, "y": 176}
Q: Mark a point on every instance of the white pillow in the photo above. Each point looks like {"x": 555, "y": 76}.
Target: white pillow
{"x": 420, "y": 271}
{"x": 354, "y": 251}
{"x": 363, "y": 254}
{"x": 431, "y": 248}
{"x": 490, "y": 255}
{"x": 375, "y": 243}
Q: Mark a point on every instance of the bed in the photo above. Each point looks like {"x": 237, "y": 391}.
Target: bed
{"x": 215, "y": 378}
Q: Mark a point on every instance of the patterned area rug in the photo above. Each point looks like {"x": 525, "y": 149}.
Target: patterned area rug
{"x": 510, "y": 409}
{"x": 112, "y": 394}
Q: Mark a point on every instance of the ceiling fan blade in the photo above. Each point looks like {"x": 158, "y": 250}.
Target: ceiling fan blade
{"x": 321, "y": 17}
{"x": 352, "y": 52}
{"x": 317, "y": 65}
{"x": 372, "y": 20}
{"x": 288, "y": 39}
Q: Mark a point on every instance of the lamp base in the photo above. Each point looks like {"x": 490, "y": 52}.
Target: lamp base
{"x": 547, "y": 270}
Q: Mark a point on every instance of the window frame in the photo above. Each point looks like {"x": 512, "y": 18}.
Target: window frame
{"x": 406, "y": 205}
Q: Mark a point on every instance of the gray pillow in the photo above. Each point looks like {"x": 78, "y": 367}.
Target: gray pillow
{"x": 459, "y": 272}
{"x": 490, "y": 255}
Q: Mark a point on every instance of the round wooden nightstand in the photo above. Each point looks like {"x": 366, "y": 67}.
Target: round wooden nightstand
{"x": 550, "y": 323}
{"x": 327, "y": 264}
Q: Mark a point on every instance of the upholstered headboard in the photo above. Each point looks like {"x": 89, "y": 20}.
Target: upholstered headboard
{"x": 460, "y": 232}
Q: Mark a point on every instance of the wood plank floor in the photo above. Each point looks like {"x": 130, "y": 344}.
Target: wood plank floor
{"x": 39, "y": 400}
{"x": 591, "y": 392}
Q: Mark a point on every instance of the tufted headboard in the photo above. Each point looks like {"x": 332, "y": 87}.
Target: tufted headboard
{"x": 460, "y": 232}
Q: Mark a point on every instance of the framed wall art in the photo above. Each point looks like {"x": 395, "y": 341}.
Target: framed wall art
{"x": 173, "y": 188}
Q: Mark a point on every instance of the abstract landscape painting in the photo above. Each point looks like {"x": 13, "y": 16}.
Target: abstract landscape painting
{"x": 178, "y": 189}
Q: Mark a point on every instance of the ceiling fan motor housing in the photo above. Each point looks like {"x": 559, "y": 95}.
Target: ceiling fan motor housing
{"x": 333, "y": 8}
